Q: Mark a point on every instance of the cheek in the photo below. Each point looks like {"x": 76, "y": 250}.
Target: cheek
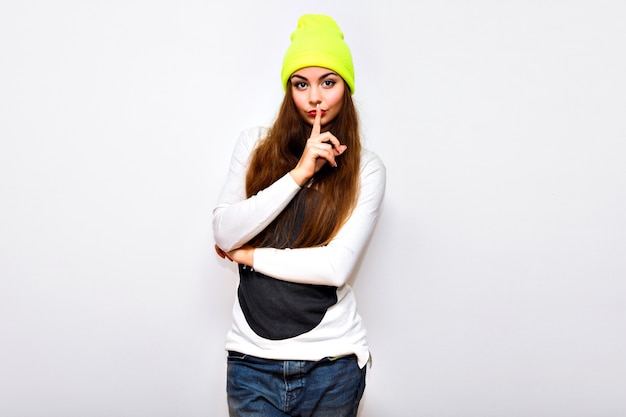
{"x": 301, "y": 104}
{"x": 337, "y": 105}
{"x": 337, "y": 98}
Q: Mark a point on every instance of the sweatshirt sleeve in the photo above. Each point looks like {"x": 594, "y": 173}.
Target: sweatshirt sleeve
{"x": 237, "y": 219}
{"x": 332, "y": 264}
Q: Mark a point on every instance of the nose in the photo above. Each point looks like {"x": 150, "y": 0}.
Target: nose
{"x": 314, "y": 95}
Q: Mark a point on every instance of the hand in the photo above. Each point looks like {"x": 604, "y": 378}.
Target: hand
{"x": 320, "y": 149}
{"x": 244, "y": 255}
{"x": 222, "y": 254}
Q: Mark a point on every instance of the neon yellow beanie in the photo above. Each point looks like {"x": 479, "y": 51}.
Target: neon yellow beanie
{"x": 318, "y": 42}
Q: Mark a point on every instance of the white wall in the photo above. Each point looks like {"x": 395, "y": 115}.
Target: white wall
{"x": 494, "y": 284}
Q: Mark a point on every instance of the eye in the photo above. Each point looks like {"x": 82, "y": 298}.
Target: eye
{"x": 299, "y": 85}
{"x": 328, "y": 83}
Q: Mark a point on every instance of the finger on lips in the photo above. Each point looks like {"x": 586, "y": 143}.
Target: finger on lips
{"x": 317, "y": 123}
{"x": 325, "y": 138}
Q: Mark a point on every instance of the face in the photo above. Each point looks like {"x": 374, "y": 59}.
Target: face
{"x": 311, "y": 86}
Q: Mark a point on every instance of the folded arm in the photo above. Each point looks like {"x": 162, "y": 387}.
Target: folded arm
{"x": 237, "y": 219}
{"x": 331, "y": 264}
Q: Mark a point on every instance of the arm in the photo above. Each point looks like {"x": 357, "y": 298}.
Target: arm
{"x": 331, "y": 264}
{"x": 237, "y": 219}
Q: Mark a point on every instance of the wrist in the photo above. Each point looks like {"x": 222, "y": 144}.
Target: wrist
{"x": 250, "y": 257}
{"x": 298, "y": 177}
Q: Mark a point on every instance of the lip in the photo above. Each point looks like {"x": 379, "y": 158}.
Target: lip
{"x": 313, "y": 112}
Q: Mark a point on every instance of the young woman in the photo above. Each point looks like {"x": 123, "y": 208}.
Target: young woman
{"x": 300, "y": 202}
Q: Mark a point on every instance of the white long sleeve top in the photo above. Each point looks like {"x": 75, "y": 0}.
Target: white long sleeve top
{"x": 236, "y": 219}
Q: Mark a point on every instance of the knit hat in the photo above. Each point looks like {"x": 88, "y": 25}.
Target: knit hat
{"x": 318, "y": 42}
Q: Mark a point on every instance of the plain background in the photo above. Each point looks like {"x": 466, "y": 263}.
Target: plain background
{"x": 494, "y": 284}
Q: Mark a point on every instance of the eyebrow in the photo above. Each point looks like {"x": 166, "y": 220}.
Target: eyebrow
{"x": 321, "y": 78}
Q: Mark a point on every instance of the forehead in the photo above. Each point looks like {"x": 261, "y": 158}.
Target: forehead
{"x": 313, "y": 72}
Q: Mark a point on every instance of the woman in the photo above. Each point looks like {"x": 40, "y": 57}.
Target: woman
{"x": 299, "y": 204}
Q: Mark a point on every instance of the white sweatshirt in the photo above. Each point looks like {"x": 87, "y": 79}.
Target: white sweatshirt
{"x": 236, "y": 219}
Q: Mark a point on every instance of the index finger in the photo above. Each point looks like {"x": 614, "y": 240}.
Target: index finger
{"x": 317, "y": 123}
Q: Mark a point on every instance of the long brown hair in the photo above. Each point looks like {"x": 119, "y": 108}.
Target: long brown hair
{"x": 333, "y": 192}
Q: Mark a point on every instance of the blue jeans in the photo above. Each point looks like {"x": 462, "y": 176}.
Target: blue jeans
{"x": 259, "y": 387}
